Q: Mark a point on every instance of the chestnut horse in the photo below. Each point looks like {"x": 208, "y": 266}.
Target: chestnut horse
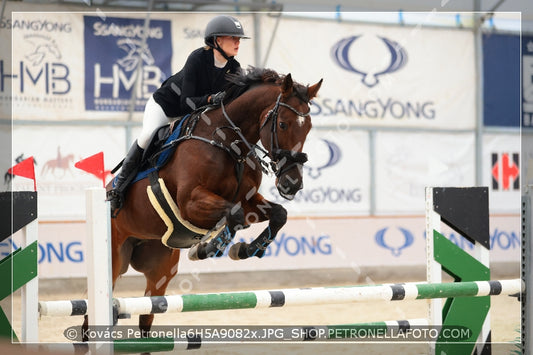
{"x": 214, "y": 178}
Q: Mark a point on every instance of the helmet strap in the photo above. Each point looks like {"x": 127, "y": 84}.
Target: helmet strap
{"x": 217, "y": 47}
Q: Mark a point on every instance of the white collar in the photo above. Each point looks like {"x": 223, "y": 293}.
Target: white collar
{"x": 218, "y": 63}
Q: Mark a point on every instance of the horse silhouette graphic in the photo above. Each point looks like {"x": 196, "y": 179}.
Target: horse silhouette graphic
{"x": 43, "y": 47}
{"x": 135, "y": 52}
{"x": 59, "y": 166}
{"x": 398, "y": 59}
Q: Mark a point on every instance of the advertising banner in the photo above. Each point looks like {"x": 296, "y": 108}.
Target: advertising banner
{"x": 84, "y": 65}
{"x": 507, "y": 80}
{"x": 131, "y": 49}
{"x": 304, "y": 243}
{"x": 336, "y": 177}
{"x": 379, "y": 81}
{"x": 45, "y": 69}
{"x": 385, "y": 76}
{"x": 501, "y": 80}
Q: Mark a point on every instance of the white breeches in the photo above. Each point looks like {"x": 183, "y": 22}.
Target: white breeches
{"x": 154, "y": 117}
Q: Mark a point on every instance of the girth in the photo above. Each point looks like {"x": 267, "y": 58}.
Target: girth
{"x": 180, "y": 233}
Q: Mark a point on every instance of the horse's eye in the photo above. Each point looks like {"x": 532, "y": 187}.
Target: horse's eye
{"x": 283, "y": 125}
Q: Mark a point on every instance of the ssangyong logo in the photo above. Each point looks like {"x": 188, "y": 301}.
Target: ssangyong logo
{"x": 394, "y": 239}
{"x": 341, "y": 55}
{"x": 334, "y": 155}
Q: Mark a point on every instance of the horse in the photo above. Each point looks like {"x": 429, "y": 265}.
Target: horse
{"x": 214, "y": 176}
{"x": 62, "y": 163}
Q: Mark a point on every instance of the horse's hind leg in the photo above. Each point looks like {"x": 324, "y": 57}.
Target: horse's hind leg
{"x": 277, "y": 219}
{"x": 159, "y": 265}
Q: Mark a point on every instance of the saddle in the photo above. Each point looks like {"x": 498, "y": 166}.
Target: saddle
{"x": 161, "y": 147}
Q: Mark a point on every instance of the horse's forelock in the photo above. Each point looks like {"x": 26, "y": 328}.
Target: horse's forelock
{"x": 300, "y": 92}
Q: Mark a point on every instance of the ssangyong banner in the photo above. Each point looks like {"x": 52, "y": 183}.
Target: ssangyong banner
{"x": 378, "y": 75}
{"x": 304, "y": 243}
{"x": 336, "y": 176}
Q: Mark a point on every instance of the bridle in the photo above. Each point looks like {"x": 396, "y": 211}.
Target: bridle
{"x": 282, "y": 159}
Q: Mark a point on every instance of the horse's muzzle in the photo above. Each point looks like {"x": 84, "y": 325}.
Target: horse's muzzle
{"x": 289, "y": 183}
{"x": 287, "y": 187}
{"x": 289, "y": 172}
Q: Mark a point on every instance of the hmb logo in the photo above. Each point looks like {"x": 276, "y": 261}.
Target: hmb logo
{"x": 41, "y": 69}
{"x": 505, "y": 171}
{"x": 118, "y": 55}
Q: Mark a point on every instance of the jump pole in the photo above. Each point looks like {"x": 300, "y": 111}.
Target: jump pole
{"x": 261, "y": 299}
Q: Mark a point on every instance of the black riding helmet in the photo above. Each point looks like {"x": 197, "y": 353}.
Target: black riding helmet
{"x": 222, "y": 25}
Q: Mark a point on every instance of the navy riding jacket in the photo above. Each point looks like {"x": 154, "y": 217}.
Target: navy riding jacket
{"x": 190, "y": 87}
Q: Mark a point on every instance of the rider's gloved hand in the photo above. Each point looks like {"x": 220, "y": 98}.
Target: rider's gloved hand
{"x": 217, "y": 98}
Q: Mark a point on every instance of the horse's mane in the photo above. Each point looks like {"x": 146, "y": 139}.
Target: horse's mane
{"x": 244, "y": 80}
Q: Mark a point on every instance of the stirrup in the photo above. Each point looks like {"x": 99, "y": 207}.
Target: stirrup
{"x": 116, "y": 201}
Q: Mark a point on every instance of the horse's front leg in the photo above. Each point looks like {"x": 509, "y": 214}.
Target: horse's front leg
{"x": 277, "y": 217}
{"x": 208, "y": 208}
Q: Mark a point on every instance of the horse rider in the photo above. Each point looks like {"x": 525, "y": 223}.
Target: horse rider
{"x": 199, "y": 83}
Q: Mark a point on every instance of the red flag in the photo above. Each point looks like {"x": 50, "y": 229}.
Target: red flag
{"x": 25, "y": 169}
{"x": 93, "y": 165}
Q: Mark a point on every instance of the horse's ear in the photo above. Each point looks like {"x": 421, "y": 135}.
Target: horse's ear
{"x": 313, "y": 90}
{"x": 286, "y": 85}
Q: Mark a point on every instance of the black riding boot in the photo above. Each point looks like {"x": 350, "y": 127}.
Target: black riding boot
{"x": 127, "y": 173}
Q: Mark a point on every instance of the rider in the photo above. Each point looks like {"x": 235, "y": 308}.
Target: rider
{"x": 199, "y": 83}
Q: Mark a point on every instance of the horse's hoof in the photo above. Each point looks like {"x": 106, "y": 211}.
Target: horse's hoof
{"x": 194, "y": 253}
{"x": 238, "y": 251}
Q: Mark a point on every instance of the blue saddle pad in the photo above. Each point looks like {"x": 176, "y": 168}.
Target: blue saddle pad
{"x": 165, "y": 155}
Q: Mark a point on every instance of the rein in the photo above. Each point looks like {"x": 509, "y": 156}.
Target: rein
{"x": 281, "y": 160}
